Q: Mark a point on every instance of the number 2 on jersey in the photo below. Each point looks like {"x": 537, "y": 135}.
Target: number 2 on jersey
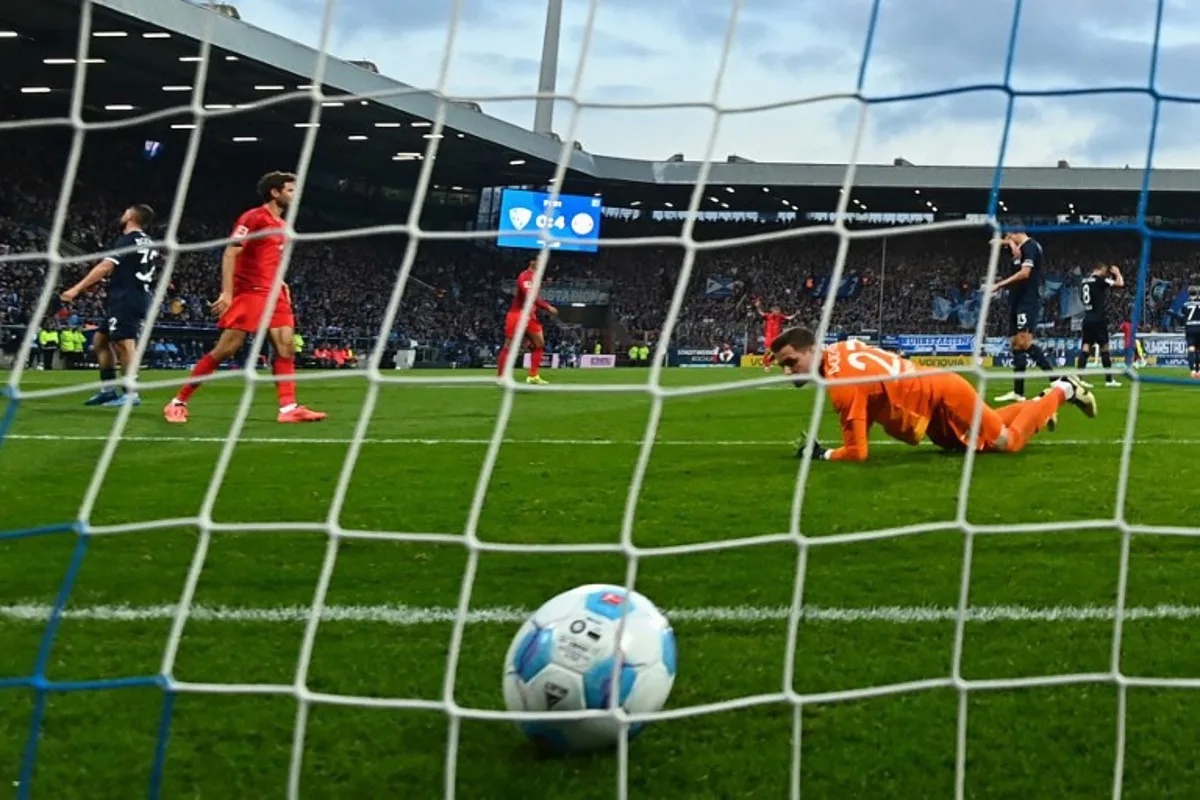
{"x": 860, "y": 355}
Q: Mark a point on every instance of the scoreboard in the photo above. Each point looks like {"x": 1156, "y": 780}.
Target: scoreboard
{"x": 534, "y": 220}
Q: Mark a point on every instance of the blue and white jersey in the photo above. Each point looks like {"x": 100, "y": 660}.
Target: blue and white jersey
{"x": 131, "y": 284}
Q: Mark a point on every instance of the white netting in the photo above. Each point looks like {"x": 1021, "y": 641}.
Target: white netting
{"x": 654, "y": 388}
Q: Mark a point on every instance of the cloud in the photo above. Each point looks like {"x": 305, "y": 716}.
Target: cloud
{"x": 789, "y": 50}
{"x": 610, "y": 45}
{"x": 706, "y": 20}
{"x": 937, "y": 45}
{"x": 619, "y": 92}
{"x": 512, "y": 65}
{"x": 942, "y": 43}
{"x": 817, "y": 57}
{"x": 896, "y": 118}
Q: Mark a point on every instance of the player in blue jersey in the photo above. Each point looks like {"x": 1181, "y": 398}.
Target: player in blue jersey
{"x": 1024, "y": 308}
{"x": 130, "y": 272}
{"x": 1191, "y": 327}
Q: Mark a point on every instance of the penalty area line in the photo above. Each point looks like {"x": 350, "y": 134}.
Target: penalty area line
{"x": 1048, "y": 441}
{"x": 409, "y": 616}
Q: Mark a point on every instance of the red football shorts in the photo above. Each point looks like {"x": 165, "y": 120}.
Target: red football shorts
{"x": 514, "y": 319}
{"x": 248, "y": 308}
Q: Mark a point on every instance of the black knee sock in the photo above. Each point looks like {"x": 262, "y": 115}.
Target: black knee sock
{"x": 1194, "y": 360}
{"x": 1106, "y": 360}
{"x": 1084, "y": 358}
{"x": 1039, "y": 357}
{"x": 1020, "y": 362}
{"x": 109, "y": 378}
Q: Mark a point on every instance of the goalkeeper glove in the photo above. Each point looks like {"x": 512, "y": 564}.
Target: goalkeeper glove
{"x": 818, "y": 453}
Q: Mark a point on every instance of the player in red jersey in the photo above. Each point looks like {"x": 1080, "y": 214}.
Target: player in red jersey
{"x": 533, "y": 331}
{"x": 772, "y": 326}
{"x": 248, "y": 270}
{"x": 1133, "y": 345}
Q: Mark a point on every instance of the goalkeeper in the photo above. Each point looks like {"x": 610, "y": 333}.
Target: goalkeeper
{"x": 910, "y": 404}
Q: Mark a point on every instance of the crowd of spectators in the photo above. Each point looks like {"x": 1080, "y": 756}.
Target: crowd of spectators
{"x": 453, "y": 299}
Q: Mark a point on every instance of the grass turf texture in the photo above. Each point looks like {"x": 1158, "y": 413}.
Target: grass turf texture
{"x": 723, "y": 470}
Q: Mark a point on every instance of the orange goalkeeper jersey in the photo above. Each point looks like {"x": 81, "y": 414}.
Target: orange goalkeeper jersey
{"x": 901, "y": 398}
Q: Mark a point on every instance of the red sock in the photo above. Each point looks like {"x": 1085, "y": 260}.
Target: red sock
{"x": 207, "y": 365}
{"x": 502, "y": 359}
{"x": 535, "y": 361}
{"x": 285, "y": 389}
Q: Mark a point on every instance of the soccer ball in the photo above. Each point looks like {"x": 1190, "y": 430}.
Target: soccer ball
{"x": 562, "y": 659}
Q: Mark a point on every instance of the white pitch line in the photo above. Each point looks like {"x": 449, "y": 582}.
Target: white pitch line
{"x": 409, "y": 616}
{"x": 56, "y": 437}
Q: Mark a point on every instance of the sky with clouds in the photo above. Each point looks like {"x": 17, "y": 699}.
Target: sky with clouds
{"x": 785, "y": 51}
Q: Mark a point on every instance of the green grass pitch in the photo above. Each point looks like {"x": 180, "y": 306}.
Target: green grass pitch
{"x": 880, "y": 612}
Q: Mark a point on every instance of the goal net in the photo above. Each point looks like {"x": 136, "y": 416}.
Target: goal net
{"x": 860, "y": 631}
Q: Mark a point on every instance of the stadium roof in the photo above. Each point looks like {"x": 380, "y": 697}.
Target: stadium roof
{"x": 150, "y": 48}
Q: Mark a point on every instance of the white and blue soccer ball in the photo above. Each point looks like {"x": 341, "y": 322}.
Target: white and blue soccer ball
{"x": 562, "y": 659}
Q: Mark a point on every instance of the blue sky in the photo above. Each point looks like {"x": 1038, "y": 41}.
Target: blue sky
{"x": 789, "y": 50}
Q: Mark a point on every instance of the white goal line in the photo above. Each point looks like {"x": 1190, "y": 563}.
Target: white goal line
{"x": 1045, "y": 440}
{"x": 409, "y": 616}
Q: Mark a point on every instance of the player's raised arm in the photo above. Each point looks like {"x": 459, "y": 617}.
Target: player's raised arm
{"x": 1118, "y": 280}
{"x": 97, "y": 273}
{"x": 1022, "y": 274}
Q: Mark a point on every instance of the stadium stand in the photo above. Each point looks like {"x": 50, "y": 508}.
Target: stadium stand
{"x": 453, "y": 309}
